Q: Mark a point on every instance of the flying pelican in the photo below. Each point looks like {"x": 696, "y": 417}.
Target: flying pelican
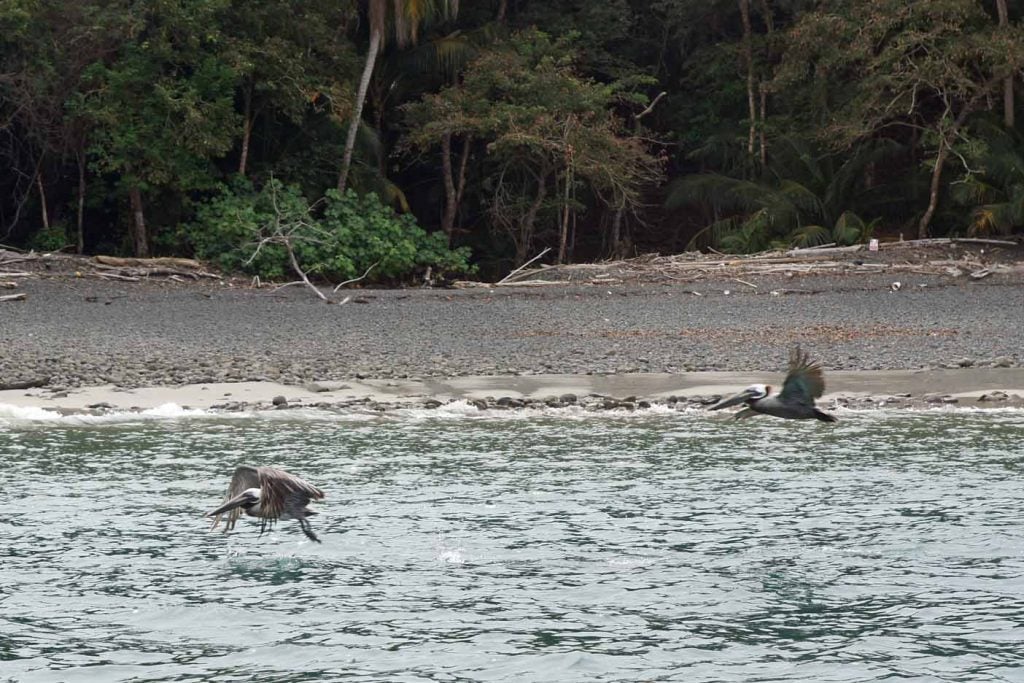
{"x": 270, "y": 494}
{"x": 804, "y": 382}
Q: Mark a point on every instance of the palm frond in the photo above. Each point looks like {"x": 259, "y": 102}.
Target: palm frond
{"x": 447, "y": 55}
{"x": 713, "y": 233}
{"x": 809, "y": 236}
{"x": 849, "y": 229}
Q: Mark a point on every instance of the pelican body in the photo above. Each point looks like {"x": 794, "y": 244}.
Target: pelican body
{"x": 269, "y": 494}
{"x": 804, "y": 382}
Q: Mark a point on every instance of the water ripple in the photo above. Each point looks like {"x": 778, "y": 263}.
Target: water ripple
{"x": 658, "y": 547}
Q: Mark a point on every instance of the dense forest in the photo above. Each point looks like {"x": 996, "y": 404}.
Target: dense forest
{"x": 393, "y": 136}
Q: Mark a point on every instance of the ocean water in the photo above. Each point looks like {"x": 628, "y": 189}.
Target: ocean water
{"x": 460, "y": 546}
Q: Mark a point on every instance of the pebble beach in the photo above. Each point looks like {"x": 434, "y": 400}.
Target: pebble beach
{"x": 72, "y": 333}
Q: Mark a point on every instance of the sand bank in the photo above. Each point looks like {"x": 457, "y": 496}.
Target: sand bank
{"x": 966, "y": 385}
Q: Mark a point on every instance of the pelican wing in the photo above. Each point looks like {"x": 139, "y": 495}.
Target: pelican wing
{"x": 244, "y": 478}
{"x": 284, "y": 492}
{"x": 804, "y": 381}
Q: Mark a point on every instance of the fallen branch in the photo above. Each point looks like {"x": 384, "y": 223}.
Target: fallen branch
{"x": 138, "y": 271}
{"x": 978, "y": 240}
{"x": 824, "y": 249}
{"x": 356, "y": 279}
{"x": 20, "y": 259}
{"x": 161, "y": 261}
{"x": 8, "y": 285}
{"x": 13, "y": 297}
{"x": 118, "y": 276}
{"x": 506, "y": 278}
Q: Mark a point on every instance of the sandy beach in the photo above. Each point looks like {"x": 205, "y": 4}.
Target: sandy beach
{"x": 980, "y": 387}
{"x": 87, "y": 342}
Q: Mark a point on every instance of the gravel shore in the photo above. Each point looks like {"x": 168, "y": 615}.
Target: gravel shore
{"x": 84, "y": 332}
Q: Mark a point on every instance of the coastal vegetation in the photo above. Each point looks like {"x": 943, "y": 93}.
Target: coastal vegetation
{"x": 388, "y": 139}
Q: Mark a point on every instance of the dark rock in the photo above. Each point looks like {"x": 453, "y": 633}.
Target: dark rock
{"x": 568, "y": 399}
{"x": 994, "y": 396}
{"x": 279, "y": 401}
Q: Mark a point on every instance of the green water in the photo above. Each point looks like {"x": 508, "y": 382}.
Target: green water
{"x": 519, "y": 548}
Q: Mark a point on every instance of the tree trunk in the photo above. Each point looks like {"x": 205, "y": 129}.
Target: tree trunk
{"x": 617, "y": 233}
{"x": 80, "y": 217}
{"x": 42, "y": 200}
{"x": 450, "y": 200}
{"x": 526, "y": 224}
{"x": 946, "y": 139}
{"x": 243, "y": 158}
{"x": 1008, "y": 113}
{"x": 463, "y": 162}
{"x": 563, "y": 241}
{"x": 357, "y": 113}
{"x": 764, "y": 113}
{"x": 748, "y": 55}
{"x": 502, "y": 11}
{"x": 769, "y": 19}
{"x": 139, "y": 237}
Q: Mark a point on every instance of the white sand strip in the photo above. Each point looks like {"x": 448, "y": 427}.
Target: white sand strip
{"x": 962, "y": 383}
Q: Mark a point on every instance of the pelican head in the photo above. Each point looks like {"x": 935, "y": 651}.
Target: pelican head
{"x": 755, "y": 392}
{"x": 247, "y": 500}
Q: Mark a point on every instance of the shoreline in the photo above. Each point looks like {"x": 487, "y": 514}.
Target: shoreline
{"x": 95, "y": 345}
{"x": 967, "y": 387}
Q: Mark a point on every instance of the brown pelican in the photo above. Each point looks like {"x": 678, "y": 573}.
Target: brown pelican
{"x": 270, "y": 494}
{"x": 804, "y": 383}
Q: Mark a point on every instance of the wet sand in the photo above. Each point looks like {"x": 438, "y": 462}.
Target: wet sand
{"x": 864, "y": 387}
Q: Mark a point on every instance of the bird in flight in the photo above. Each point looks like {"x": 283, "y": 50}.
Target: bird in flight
{"x": 269, "y": 494}
{"x": 804, "y": 382}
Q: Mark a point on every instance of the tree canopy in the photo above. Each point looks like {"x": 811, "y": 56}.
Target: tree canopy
{"x": 500, "y": 128}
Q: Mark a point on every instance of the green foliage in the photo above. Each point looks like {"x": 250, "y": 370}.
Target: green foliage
{"x": 364, "y": 231}
{"x": 544, "y": 126}
{"x": 227, "y": 227}
{"x": 165, "y": 106}
{"x": 339, "y": 238}
{"x": 858, "y": 106}
{"x": 992, "y": 189}
{"x": 806, "y": 189}
{"x": 50, "y": 239}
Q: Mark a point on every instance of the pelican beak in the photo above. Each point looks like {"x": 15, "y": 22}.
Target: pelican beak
{"x": 733, "y": 400}
{"x": 235, "y": 502}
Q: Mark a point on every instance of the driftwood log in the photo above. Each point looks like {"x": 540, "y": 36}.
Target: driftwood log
{"x": 133, "y": 269}
{"x": 13, "y": 297}
{"x": 162, "y": 261}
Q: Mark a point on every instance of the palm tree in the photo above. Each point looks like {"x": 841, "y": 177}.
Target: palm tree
{"x": 993, "y": 188}
{"x": 405, "y": 18}
{"x": 802, "y": 191}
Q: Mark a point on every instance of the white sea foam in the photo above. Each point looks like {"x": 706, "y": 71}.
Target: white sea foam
{"x": 15, "y": 414}
{"x": 456, "y": 410}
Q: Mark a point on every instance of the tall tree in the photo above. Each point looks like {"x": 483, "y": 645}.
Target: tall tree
{"x": 923, "y": 66}
{"x": 1008, "y": 113}
{"x": 405, "y": 18}
{"x": 162, "y": 109}
{"x": 549, "y": 135}
{"x": 45, "y": 50}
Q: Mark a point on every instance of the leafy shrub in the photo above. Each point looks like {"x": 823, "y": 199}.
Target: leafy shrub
{"x": 338, "y": 238}
{"x": 50, "y": 239}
